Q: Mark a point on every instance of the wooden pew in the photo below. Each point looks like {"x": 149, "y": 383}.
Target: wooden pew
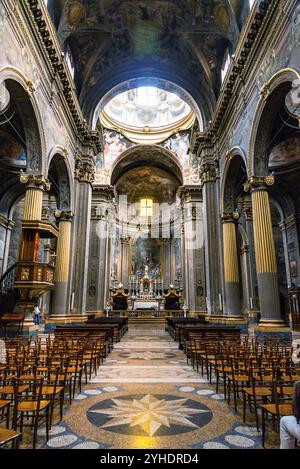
{"x": 11, "y": 318}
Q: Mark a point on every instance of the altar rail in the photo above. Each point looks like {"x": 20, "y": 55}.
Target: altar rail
{"x": 149, "y": 313}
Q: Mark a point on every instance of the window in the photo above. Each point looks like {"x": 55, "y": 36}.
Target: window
{"x": 146, "y": 207}
{"x": 251, "y": 3}
{"x": 70, "y": 62}
{"x": 226, "y": 65}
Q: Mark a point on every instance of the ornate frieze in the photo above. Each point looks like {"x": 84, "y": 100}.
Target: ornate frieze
{"x": 84, "y": 171}
{"x": 208, "y": 172}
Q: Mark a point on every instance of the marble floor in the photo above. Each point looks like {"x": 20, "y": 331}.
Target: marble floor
{"x": 146, "y": 396}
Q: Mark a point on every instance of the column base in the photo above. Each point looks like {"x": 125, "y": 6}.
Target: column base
{"x": 66, "y": 318}
{"x": 215, "y": 318}
{"x": 234, "y": 320}
{"x": 273, "y": 323}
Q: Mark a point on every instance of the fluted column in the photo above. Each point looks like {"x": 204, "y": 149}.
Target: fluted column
{"x": 231, "y": 266}
{"x": 84, "y": 175}
{"x": 33, "y": 203}
{"x": 209, "y": 177}
{"x": 265, "y": 256}
{"x": 60, "y": 304}
{"x": 29, "y": 249}
{"x": 192, "y": 252}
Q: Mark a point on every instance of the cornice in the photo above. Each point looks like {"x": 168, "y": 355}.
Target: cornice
{"x": 37, "y": 15}
{"x": 259, "y": 20}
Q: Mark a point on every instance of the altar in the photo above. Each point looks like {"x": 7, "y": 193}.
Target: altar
{"x": 145, "y": 304}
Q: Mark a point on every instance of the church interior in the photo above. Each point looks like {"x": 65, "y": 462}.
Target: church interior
{"x": 149, "y": 223}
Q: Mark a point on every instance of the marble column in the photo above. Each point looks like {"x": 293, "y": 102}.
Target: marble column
{"x": 60, "y": 302}
{"x": 231, "y": 266}
{"x": 265, "y": 256}
{"x": 124, "y": 268}
{"x": 249, "y": 252}
{"x": 100, "y": 248}
{"x": 192, "y": 252}
{"x": 166, "y": 248}
{"x": 84, "y": 176}
{"x": 209, "y": 177}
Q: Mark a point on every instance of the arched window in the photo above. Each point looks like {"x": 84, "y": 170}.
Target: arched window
{"x": 226, "y": 64}
{"x": 70, "y": 61}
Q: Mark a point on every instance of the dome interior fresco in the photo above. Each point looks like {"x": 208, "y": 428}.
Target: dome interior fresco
{"x": 147, "y": 106}
{"x": 187, "y": 38}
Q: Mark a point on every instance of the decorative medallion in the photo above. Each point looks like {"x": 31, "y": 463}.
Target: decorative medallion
{"x": 149, "y": 415}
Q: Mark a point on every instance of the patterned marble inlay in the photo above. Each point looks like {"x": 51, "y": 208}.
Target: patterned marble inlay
{"x": 149, "y": 415}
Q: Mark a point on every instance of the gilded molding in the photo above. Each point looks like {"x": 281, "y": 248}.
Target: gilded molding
{"x": 259, "y": 182}
{"x": 265, "y": 90}
{"x": 230, "y": 217}
{"x": 63, "y": 215}
{"x": 35, "y": 181}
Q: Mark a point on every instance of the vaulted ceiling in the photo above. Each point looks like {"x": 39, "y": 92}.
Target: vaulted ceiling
{"x": 183, "y": 41}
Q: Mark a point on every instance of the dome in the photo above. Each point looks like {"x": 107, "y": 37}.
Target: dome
{"x": 147, "y": 113}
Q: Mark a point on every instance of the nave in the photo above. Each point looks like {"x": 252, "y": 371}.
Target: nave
{"x": 145, "y": 395}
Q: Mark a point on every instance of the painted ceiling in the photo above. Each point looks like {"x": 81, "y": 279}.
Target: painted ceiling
{"x": 148, "y": 181}
{"x": 180, "y": 40}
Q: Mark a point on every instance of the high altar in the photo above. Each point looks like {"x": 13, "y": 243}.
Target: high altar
{"x": 145, "y": 293}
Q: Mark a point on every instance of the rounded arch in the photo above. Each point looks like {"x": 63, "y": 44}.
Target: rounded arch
{"x": 243, "y": 234}
{"x": 201, "y": 98}
{"x": 150, "y": 81}
{"x": 235, "y": 166}
{"x": 151, "y": 155}
{"x": 273, "y": 94}
{"x": 22, "y": 94}
{"x": 61, "y": 178}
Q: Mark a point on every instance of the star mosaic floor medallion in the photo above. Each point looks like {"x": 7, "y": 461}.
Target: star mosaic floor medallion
{"x": 149, "y": 415}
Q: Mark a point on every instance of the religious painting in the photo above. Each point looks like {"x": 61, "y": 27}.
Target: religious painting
{"x": 179, "y": 145}
{"x": 146, "y": 255}
{"x": 114, "y": 144}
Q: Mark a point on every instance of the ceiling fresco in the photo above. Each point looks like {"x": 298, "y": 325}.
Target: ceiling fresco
{"x": 178, "y": 145}
{"x": 114, "y": 39}
{"x": 148, "y": 181}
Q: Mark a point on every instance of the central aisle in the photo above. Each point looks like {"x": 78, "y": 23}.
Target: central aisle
{"x": 146, "y": 396}
{"x": 146, "y": 354}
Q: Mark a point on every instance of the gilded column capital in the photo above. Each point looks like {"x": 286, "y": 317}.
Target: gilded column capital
{"x": 230, "y": 217}
{"x": 35, "y": 181}
{"x": 259, "y": 183}
{"x": 63, "y": 215}
{"x": 85, "y": 171}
